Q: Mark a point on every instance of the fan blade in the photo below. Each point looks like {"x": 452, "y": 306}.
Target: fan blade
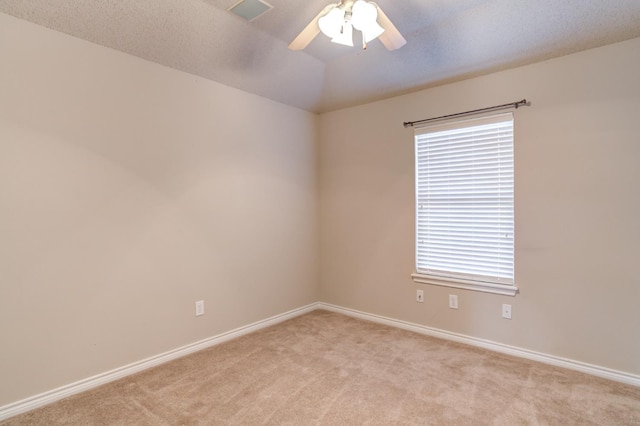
{"x": 306, "y": 36}
{"x": 391, "y": 37}
{"x": 310, "y": 32}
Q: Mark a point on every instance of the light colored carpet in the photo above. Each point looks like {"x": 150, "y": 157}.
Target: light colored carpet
{"x": 327, "y": 369}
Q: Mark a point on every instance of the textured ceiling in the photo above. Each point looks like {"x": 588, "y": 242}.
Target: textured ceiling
{"x": 446, "y": 40}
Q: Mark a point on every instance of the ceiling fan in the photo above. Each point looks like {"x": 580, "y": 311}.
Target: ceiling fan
{"x": 337, "y": 21}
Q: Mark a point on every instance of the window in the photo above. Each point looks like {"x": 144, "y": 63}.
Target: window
{"x": 464, "y": 204}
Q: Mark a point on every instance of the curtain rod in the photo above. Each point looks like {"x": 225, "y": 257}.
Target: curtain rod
{"x": 475, "y": 111}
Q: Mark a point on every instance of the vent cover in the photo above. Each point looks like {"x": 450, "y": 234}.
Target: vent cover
{"x": 250, "y": 9}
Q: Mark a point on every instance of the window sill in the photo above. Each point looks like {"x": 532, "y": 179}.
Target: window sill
{"x": 503, "y": 289}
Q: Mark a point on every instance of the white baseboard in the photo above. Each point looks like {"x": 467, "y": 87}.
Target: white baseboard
{"x": 595, "y": 370}
{"x": 45, "y": 398}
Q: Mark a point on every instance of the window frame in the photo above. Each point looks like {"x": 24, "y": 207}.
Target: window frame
{"x": 455, "y": 279}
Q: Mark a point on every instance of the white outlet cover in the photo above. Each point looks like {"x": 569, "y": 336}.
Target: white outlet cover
{"x": 506, "y": 311}
{"x": 420, "y": 296}
{"x": 453, "y": 301}
{"x": 199, "y": 308}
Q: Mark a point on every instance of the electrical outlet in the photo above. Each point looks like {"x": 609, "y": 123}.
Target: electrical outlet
{"x": 506, "y": 311}
{"x": 420, "y": 296}
{"x": 199, "y": 308}
{"x": 453, "y": 301}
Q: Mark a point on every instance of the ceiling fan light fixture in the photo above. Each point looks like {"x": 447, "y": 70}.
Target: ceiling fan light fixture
{"x": 372, "y": 32}
{"x": 363, "y": 14}
{"x": 331, "y": 23}
{"x": 345, "y": 35}
{"x": 337, "y": 21}
{"x": 365, "y": 19}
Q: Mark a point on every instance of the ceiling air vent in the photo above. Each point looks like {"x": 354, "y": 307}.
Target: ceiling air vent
{"x": 250, "y": 9}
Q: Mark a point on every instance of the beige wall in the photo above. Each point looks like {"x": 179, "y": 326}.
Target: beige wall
{"x": 577, "y": 209}
{"x": 127, "y": 192}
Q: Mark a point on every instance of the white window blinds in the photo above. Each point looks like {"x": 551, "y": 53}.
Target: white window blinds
{"x": 464, "y": 200}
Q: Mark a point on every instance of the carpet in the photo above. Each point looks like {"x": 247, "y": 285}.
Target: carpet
{"x": 324, "y": 368}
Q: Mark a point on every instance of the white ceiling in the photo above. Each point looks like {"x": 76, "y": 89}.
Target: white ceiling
{"x": 447, "y": 40}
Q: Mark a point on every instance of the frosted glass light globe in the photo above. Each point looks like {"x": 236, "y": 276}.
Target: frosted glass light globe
{"x": 331, "y": 23}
